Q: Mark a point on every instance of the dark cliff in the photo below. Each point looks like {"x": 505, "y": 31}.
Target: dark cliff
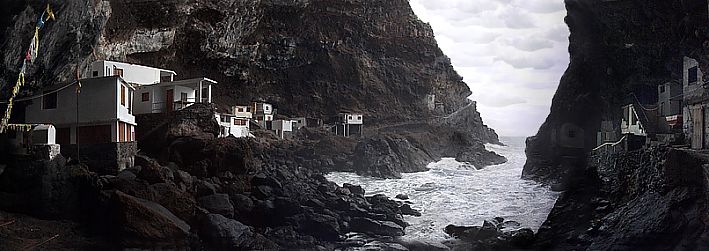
{"x": 653, "y": 199}
{"x": 308, "y": 58}
{"x": 617, "y": 48}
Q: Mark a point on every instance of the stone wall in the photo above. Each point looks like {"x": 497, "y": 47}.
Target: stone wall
{"x": 109, "y": 158}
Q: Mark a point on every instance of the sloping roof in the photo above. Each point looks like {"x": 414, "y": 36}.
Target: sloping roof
{"x": 650, "y": 118}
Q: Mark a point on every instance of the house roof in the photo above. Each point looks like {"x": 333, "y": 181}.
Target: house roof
{"x": 155, "y": 68}
{"x": 192, "y": 81}
{"x": 650, "y": 119}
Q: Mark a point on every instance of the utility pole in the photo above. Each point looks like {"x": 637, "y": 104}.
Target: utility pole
{"x": 78, "y": 91}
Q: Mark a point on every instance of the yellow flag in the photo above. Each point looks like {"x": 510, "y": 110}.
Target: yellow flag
{"x": 50, "y": 13}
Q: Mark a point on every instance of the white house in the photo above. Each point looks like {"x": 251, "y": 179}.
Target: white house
{"x": 173, "y": 96}
{"x": 348, "y": 124}
{"x": 299, "y": 122}
{"x": 157, "y": 89}
{"x": 262, "y": 114}
{"x": 283, "y": 128}
{"x": 105, "y": 111}
{"x": 131, "y": 73}
{"x": 104, "y": 128}
{"x": 235, "y": 124}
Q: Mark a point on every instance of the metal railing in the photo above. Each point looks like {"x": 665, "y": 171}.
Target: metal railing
{"x": 159, "y": 107}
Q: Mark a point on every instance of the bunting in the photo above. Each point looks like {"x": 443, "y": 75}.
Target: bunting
{"x": 30, "y": 56}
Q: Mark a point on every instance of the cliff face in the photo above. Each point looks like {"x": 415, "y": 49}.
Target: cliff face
{"x": 309, "y": 58}
{"x": 651, "y": 199}
{"x": 617, "y": 48}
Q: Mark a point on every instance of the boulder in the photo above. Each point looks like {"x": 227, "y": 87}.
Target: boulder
{"x": 375, "y": 227}
{"x": 354, "y": 189}
{"x": 142, "y": 222}
{"x": 242, "y": 203}
{"x": 322, "y": 226}
{"x": 221, "y": 233}
{"x": 218, "y": 204}
{"x": 407, "y": 210}
{"x": 402, "y": 196}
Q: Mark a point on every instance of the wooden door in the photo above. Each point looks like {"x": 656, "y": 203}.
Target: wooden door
{"x": 170, "y": 99}
{"x": 121, "y": 132}
{"x": 697, "y": 127}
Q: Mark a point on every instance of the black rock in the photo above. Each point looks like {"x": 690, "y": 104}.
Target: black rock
{"x": 402, "y": 196}
{"x": 221, "y": 233}
{"x": 358, "y": 190}
{"x": 375, "y": 227}
{"x": 218, "y": 204}
{"x": 407, "y": 210}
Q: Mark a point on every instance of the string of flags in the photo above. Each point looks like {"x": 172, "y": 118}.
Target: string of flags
{"x": 30, "y": 56}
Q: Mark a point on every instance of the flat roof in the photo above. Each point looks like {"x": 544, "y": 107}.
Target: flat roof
{"x": 117, "y": 62}
{"x": 183, "y": 82}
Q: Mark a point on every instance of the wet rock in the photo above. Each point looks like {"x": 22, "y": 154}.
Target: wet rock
{"x": 416, "y": 245}
{"x": 322, "y": 226}
{"x": 141, "y": 222}
{"x": 369, "y": 226}
{"x": 407, "y": 210}
{"x": 125, "y": 174}
{"x": 354, "y": 189}
{"x": 217, "y": 204}
{"x": 221, "y": 233}
{"x": 402, "y": 196}
{"x": 388, "y": 157}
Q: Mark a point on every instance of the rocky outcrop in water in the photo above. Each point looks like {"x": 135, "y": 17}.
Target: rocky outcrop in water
{"x": 494, "y": 234}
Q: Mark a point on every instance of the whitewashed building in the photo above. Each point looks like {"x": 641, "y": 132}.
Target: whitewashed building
{"x": 105, "y": 122}
{"x": 157, "y": 90}
{"x": 283, "y": 128}
{"x": 236, "y": 123}
{"x": 173, "y": 96}
{"x": 262, "y": 114}
{"x": 349, "y": 124}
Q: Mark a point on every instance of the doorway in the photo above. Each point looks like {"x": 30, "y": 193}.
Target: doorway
{"x": 697, "y": 127}
{"x": 170, "y": 100}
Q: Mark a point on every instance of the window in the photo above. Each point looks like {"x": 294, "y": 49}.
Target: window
{"x": 349, "y": 117}
{"x": 183, "y": 97}
{"x": 662, "y": 89}
{"x": 49, "y": 100}
{"x": 359, "y": 117}
{"x": 166, "y": 78}
{"x": 240, "y": 122}
{"x": 145, "y": 97}
{"x": 692, "y": 75}
{"x": 572, "y": 134}
{"x": 118, "y": 72}
{"x": 95, "y": 73}
{"x": 123, "y": 95}
{"x": 205, "y": 92}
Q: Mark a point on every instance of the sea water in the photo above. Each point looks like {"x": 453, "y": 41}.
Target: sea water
{"x": 452, "y": 192}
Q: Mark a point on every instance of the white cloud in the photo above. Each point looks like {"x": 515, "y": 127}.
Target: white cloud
{"x": 511, "y": 53}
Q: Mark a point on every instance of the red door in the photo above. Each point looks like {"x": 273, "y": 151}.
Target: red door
{"x": 170, "y": 100}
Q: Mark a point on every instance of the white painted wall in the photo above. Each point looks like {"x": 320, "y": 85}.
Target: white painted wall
{"x": 99, "y": 104}
{"x": 132, "y": 73}
{"x": 352, "y": 119}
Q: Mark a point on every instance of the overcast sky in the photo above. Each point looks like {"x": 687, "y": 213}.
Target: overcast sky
{"x": 511, "y": 53}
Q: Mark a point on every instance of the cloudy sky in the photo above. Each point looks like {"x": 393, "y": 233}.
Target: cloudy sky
{"x": 511, "y": 53}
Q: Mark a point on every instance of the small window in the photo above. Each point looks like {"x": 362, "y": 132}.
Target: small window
{"x": 349, "y": 117}
{"x": 118, "y": 72}
{"x": 49, "y": 100}
{"x": 123, "y": 95}
{"x": 359, "y": 117}
{"x": 662, "y": 89}
{"x": 183, "y": 97}
{"x": 205, "y": 92}
{"x": 572, "y": 134}
{"x": 692, "y": 75}
{"x": 95, "y": 73}
{"x": 145, "y": 96}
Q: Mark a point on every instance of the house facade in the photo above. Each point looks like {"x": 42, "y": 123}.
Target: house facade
{"x": 263, "y": 114}
{"x": 105, "y": 117}
{"x": 235, "y": 123}
{"x": 283, "y": 128}
{"x": 695, "y": 105}
{"x": 157, "y": 90}
{"x": 349, "y": 124}
{"x": 173, "y": 96}
{"x": 131, "y": 73}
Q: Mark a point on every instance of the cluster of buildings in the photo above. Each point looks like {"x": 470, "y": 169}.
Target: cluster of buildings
{"x": 98, "y": 116}
{"x": 679, "y": 117}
